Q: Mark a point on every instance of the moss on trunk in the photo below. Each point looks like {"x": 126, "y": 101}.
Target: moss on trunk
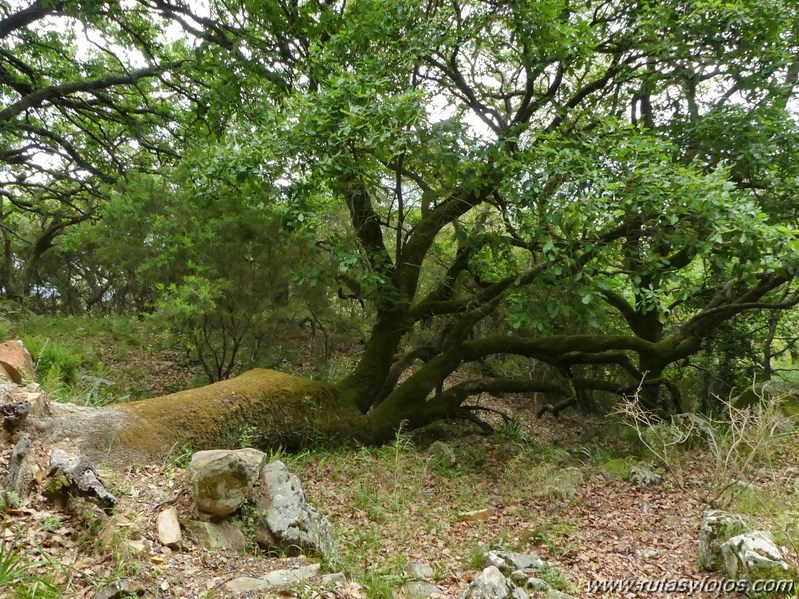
{"x": 273, "y": 408}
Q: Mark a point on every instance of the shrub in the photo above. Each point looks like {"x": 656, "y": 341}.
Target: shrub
{"x": 53, "y": 359}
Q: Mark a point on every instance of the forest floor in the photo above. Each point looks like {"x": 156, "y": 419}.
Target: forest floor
{"x": 395, "y": 504}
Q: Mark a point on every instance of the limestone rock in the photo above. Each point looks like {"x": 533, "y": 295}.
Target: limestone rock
{"x": 215, "y": 536}
{"x": 38, "y": 400}
{"x": 753, "y": 555}
{"x": 715, "y": 528}
{"x": 334, "y": 579}
{"x": 135, "y": 546}
{"x": 222, "y": 479}
{"x": 277, "y": 578}
{"x": 419, "y": 589}
{"x": 491, "y": 584}
{"x": 443, "y": 455}
{"x": 555, "y": 594}
{"x": 530, "y": 583}
{"x": 644, "y": 477}
{"x": 284, "y": 518}
{"x": 419, "y": 571}
{"x": 16, "y": 361}
{"x": 169, "y": 528}
{"x": 508, "y": 562}
{"x": 242, "y": 585}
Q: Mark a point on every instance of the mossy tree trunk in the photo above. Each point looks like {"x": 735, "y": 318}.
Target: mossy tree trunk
{"x": 276, "y": 409}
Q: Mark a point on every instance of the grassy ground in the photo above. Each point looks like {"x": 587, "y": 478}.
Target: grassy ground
{"x": 552, "y": 487}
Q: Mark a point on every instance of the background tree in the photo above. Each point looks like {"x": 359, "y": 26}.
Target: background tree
{"x": 593, "y": 187}
{"x": 88, "y": 92}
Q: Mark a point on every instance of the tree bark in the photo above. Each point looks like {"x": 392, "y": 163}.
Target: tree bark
{"x": 277, "y": 409}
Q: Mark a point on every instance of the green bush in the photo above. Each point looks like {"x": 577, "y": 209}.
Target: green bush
{"x": 53, "y": 359}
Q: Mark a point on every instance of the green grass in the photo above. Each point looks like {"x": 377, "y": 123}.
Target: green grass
{"x": 55, "y": 362}
{"x": 90, "y": 360}
{"x": 19, "y": 570}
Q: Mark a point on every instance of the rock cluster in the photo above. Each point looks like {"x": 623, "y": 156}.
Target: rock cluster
{"x": 283, "y": 520}
{"x": 508, "y": 575}
{"x": 238, "y": 489}
{"x": 727, "y": 546}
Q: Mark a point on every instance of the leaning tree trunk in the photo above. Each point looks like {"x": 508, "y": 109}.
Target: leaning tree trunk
{"x": 274, "y": 408}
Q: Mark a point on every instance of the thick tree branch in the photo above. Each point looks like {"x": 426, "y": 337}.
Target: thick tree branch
{"x": 39, "y": 97}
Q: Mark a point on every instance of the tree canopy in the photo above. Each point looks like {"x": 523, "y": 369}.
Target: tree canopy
{"x": 597, "y": 187}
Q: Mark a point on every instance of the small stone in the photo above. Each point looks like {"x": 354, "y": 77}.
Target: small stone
{"x": 537, "y": 585}
{"x": 509, "y": 561}
{"x": 279, "y": 578}
{"x": 491, "y": 584}
{"x": 169, "y": 528}
{"x": 276, "y": 578}
{"x": 644, "y": 477}
{"x": 419, "y": 571}
{"x": 442, "y": 455}
{"x": 419, "y": 589}
{"x": 39, "y": 403}
{"x": 284, "y": 518}
{"x": 244, "y": 584}
{"x": 475, "y": 515}
{"x": 334, "y": 579}
{"x": 223, "y": 535}
{"x": 137, "y": 546}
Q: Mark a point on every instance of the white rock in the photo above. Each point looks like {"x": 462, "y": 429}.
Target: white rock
{"x": 419, "y": 589}
{"x": 169, "y": 528}
{"x": 419, "y": 571}
{"x": 278, "y": 578}
{"x": 285, "y": 520}
{"x": 644, "y": 477}
{"x": 334, "y": 579}
{"x": 508, "y": 561}
{"x": 715, "y": 528}
{"x": 491, "y": 584}
{"x": 754, "y": 550}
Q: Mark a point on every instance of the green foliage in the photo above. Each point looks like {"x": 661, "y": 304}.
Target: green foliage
{"x": 247, "y": 436}
{"x": 557, "y": 579}
{"x": 18, "y": 571}
{"x": 449, "y": 172}
{"x": 619, "y": 467}
{"x": 178, "y": 456}
{"x": 55, "y": 362}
